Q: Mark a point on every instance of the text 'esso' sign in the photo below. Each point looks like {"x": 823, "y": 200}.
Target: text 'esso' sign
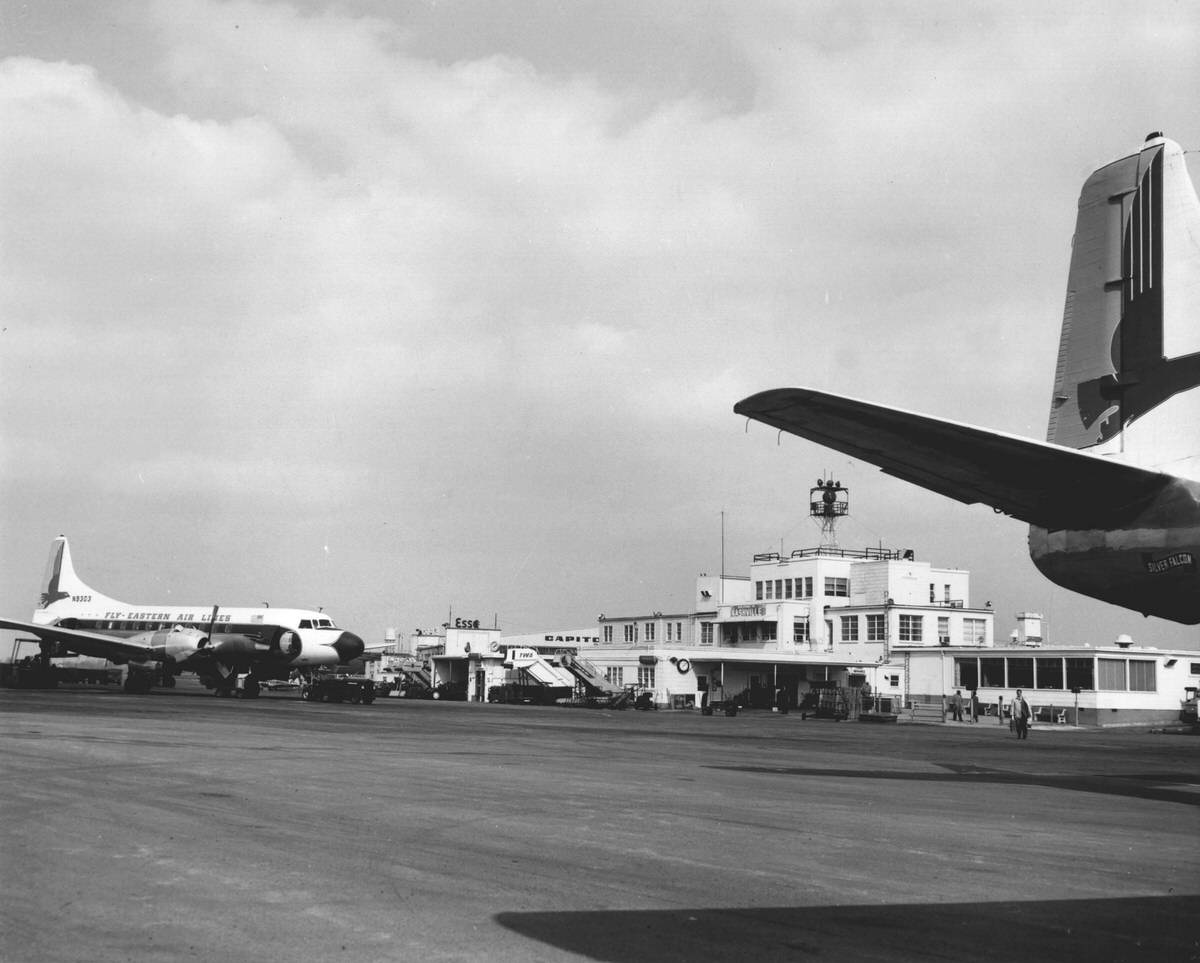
{"x": 466, "y": 623}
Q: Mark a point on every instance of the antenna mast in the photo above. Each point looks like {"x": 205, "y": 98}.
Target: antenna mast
{"x": 828, "y": 501}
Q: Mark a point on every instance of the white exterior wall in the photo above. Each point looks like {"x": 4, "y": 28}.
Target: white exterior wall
{"x": 650, "y": 630}
{"x": 908, "y": 582}
{"x": 713, "y": 590}
{"x": 544, "y": 641}
{"x": 869, "y": 585}
{"x": 958, "y": 581}
{"x": 460, "y": 643}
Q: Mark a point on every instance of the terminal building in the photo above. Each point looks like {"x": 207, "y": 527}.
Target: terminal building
{"x": 827, "y": 629}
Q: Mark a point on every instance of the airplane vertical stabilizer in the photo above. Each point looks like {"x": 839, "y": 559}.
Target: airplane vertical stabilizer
{"x": 1129, "y": 355}
{"x": 62, "y": 590}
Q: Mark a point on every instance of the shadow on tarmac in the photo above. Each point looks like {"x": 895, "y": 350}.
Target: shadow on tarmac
{"x": 1110, "y": 930}
{"x": 1152, "y": 786}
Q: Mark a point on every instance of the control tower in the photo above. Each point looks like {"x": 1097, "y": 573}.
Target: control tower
{"x": 828, "y": 501}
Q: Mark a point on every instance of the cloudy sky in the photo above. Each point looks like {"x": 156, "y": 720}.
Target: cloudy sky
{"x": 404, "y": 309}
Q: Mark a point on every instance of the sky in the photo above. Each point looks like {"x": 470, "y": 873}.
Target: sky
{"x": 440, "y": 309}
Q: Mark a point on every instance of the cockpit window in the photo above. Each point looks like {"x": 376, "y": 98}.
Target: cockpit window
{"x": 324, "y": 624}
{"x": 306, "y": 623}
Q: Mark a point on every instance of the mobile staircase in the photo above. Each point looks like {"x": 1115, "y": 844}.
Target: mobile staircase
{"x": 418, "y": 684}
{"x": 600, "y": 692}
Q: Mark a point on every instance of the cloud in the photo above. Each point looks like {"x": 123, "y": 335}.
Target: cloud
{"x": 441, "y": 270}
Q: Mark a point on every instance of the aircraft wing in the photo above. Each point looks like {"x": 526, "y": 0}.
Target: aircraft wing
{"x": 1040, "y": 483}
{"x": 85, "y": 643}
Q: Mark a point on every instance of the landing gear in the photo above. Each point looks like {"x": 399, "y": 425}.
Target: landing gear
{"x": 243, "y": 686}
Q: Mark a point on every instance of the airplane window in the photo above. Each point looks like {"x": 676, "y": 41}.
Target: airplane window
{"x": 324, "y": 623}
{"x": 306, "y": 623}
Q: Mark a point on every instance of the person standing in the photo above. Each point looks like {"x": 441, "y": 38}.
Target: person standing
{"x": 1020, "y": 716}
{"x": 956, "y": 705}
{"x": 974, "y": 706}
{"x": 1000, "y": 709}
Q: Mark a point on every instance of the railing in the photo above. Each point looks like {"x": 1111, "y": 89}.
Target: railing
{"x": 885, "y": 554}
{"x": 918, "y": 711}
{"x": 828, "y": 551}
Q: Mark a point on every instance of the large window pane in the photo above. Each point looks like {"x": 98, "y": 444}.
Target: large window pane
{"x": 1020, "y": 673}
{"x": 991, "y": 673}
{"x": 966, "y": 673}
{"x": 1112, "y": 675}
{"x": 974, "y": 631}
{"x": 910, "y": 628}
{"x": 1141, "y": 676}
{"x": 1079, "y": 674}
{"x": 1049, "y": 673}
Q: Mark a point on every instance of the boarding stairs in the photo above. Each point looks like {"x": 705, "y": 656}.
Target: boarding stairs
{"x": 419, "y": 678}
{"x": 538, "y": 668}
{"x": 597, "y": 686}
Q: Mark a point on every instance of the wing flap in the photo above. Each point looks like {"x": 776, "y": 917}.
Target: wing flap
{"x": 85, "y": 643}
{"x": 1040, "y": 483}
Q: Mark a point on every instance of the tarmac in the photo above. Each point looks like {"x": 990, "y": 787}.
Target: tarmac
{"x": 180, "y": 826}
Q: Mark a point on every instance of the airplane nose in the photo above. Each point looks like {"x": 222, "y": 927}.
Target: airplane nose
{"x": 348, "y": 646}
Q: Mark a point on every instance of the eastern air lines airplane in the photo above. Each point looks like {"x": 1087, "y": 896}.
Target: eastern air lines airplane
{"x": 1113, "y": 496}
{"x": 157, "y": 642}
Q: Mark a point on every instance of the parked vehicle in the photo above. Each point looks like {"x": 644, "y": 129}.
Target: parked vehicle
{"x": 355, "y": 689}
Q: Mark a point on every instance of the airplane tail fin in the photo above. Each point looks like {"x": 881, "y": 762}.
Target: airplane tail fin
{"x": 63, "y": 592}
{"x": 1129, "y": 354}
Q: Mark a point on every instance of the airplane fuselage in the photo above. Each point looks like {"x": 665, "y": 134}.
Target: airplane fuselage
{"x": 1150, "y": 571}
{"x": 238, "y": 637}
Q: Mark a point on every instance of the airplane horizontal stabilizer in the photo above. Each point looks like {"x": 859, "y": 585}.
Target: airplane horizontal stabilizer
{"x": 1040, "y": 483}
{"x": 84, "y": 643}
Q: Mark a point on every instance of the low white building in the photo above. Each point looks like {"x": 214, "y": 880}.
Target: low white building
{"x": 1108, "y": 685}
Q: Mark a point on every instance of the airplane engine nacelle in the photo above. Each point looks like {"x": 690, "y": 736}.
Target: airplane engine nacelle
{"x": 179, "y": 643}
{"x": 315, "y": 653}
{"x": 289, "y": 645}
{"x": 235, "y": 649}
